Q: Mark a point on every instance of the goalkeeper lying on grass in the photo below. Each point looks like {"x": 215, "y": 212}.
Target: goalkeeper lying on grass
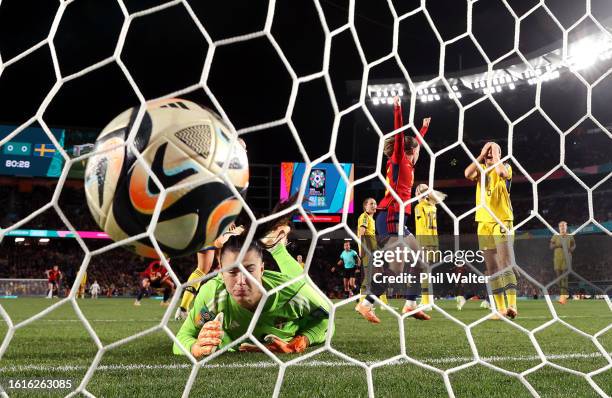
{"x": 291, "y": 320}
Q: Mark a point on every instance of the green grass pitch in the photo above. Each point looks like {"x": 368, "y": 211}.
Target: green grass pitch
{"x": 58, "y": 346}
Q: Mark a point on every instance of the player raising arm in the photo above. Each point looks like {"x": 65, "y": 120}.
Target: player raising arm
{"x": 402, "y": 152}
{"x": 493, "y": 237}
{"x": 303, "y": 311}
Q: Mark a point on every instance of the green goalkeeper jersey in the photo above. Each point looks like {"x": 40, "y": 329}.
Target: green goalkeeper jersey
{"x": 295, "y": 310}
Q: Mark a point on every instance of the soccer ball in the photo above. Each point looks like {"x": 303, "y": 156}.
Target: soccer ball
{"x": 182, "y": 142}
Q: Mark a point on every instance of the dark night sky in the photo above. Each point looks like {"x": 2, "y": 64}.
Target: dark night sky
{"x": 165, "y": 52}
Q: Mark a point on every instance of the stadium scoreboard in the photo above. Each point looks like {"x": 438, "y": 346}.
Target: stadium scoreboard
{"x": 31, "y": 153}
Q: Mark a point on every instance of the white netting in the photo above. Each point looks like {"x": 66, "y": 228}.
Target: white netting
{"x": 266, "y": 33}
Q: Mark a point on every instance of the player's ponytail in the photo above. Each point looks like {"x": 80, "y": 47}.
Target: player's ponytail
{"x": 434, "y": 197}
{"x": 264, "y": 229}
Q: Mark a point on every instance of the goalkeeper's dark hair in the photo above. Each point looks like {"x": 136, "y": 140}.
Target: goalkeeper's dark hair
{"x": 285, "y": 219}
{"x": 235, "y": 243}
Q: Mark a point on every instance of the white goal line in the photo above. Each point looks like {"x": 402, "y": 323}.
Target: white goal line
{"x": 157, "y": 321}
{"x": 270, "y": 364}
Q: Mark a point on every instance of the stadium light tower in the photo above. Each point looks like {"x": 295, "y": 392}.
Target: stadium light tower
{"x": 584, "y": 53}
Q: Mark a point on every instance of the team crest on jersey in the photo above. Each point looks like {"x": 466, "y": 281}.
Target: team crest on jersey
{"x": 205, "y": 315}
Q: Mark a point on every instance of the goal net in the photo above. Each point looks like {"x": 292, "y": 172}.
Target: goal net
{"x": 444, "y": 67}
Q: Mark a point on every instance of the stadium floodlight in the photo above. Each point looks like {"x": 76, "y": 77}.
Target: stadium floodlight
{"x": 400, "y": 92}
{"x": 433, "y": 90}
{"x": 430, "y": 97}
{"x": 390, "y": 100}
{"x": 511, "y": 86}
{"x": 393, "y": 93}
{"x": 458, "y": 94}
{"x": 375, "y": 101}
{"x": 455, "y": 88}
{"x": 498, "y": 89}
{"x": 585, "y": 52}
{"x": 426, "y": 90}
{"x": 437, "y": 97}
{"x": 423, "y": 98}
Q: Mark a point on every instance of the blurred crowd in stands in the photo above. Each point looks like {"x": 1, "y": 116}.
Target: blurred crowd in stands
{"x": 118, "y": 272}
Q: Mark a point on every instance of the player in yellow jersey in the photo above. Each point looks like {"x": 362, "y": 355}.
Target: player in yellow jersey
{"x": 563, "y": 245}
{"x": 82, "y": 286}
{"x": 426, "y": 226}
{"x": 366, "y": 232}
{"x": 495, "y": 240}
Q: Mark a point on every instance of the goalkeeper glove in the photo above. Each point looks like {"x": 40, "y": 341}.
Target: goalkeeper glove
{"x": 209, "y": 337}
{"x": 275, "y": 344}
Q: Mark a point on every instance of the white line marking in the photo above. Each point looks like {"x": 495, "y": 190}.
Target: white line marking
{"x": 270, "y": 364}
{"x": 157, "y": 321}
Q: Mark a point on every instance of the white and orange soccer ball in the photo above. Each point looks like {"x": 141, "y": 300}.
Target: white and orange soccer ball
{"x": 181, "y": 142}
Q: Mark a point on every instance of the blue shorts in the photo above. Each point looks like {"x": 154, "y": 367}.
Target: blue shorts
{"x": 381, "y": 226}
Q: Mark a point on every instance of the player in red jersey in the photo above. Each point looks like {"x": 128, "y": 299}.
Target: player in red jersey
{"x": 155, "y": 276}
{"x": 402, "y": 152}
{"x": 54, "y": 279}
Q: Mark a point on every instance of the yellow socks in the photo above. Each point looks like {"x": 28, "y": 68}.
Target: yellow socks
{"x": 510, "y": 283}
{"x": 563, "y": 286}
{"x": 191, "y": 290}
{"x": 497, "y": 287}
{"x": 500, "y": 302}
{"x": 425, "y": 293}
